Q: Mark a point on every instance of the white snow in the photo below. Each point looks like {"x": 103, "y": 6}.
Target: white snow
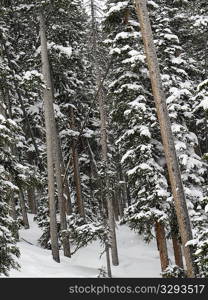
{"x": 137, "y": 259}
{"x": 204, "y": 104}
{"x": 150, "y": 2}
{"x": 144, "y": 130}
{"x": 65, "y": 50}
{"x": 171, "y": 37}
{"x": 11, "y": 185}
{"x": 117, "y": 7}
{"x": 28, "y": 75}
{"x": 128, "y": 154}
{"x": 202, "y": 85}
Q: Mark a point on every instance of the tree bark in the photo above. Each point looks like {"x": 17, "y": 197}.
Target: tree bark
{"x": 61, "y": 198}
{"x": 103, "y": 118}
{"x": 177, "y": 252}
{"x": 162, "y": 246}
{"x": 13, "y": 213}
{"x": 23, "y": 209}
{"x": 32, "y": 200}
{"x": 166, "y": 133}
{"x": 80, "y": 203}
{"x": 49, "y": 140}
{"x": 66, "y": 191}
{"x": 54, "y": 147}
{"x": 116, "y": 204}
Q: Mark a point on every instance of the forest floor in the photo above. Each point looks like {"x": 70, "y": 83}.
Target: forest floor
{"x": 137, "y": 259}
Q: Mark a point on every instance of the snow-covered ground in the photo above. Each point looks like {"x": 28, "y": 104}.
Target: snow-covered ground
{"x": 137, "y": 259}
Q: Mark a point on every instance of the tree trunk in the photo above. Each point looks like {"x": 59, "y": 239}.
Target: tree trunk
{"x": 128, "y": 195}
{"x": 115, "y": 204}
{"x": 13, "y": 213}
{"x": 108, "y": 261}
{"x": 162, "y": 246}
{"x": 122, "y": 185}
{"x": 111, "y": 220}
{"x": 66, "y": 191}
{"x": 23, "y": 209}
{"x": 166, "y": 133}
{"x": 177, "y": 252}
{"x": 103, "y": 118}
{"x": 80, "y": 203}
{"x": 32, "y": 200}
{"x": 49, "y": 122}
{"x": 61, "y": 198}
{"x": 49, "y": 99}
{"x": 67, "y": 196}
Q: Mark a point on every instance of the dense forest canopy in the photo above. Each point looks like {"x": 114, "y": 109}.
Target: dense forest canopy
{"x": 80, "y": 139}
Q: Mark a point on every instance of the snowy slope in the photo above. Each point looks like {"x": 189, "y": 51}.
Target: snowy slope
{"x": 137, "y": 259}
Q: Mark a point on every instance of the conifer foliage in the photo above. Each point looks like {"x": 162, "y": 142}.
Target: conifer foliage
{"x": 80, "y": 142}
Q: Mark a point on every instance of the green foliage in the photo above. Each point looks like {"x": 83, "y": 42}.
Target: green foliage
{"x": 8, "y": 249}
{"x": 201, "y": 253}
{"x": 81, "y": 232}
{"x": 174, "y": 271}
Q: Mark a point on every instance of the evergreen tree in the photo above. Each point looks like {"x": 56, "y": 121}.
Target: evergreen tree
{"x": 136, "y": 126}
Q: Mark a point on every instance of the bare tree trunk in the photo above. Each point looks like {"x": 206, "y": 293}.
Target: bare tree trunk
{"x": 128, "y": 195}
{"x": 23, "y": 209}
{"x": 49, "y": 99}
{"x": 205, "y": 55}
{"x": 115, "y": 205}
{"x": 114, "y": 250}
{"x": 108, "y": 261}
{"x": 67, "y": 196}
{"x": 122, "y": 199}
{"x": 166, "y": 133}
{"x": 162, "y": 246}
{"x": 80, "y": 203}
{"x": 66, "y": 191}
{"x": 32, "y": 200}
{"x": 49, "y": 122}
{"x": 111, "y": 220}
{"x": 61, "y": 198}
{"x": 177, "y": 252}
{"x": 13, "y": 213}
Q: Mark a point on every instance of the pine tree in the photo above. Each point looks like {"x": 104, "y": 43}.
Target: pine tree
{"x": 11, "y": 173}
{"x": 135, "y": 119}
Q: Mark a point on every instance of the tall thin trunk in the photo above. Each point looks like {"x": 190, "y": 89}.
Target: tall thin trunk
{"x": 121, "y": 182}
{"x": 13, "y": 213}
{"x": 80, "y": 203}
{"x": 108, "y": 261}
{"x": 66, "y": 191}
{"x": 177, "y": 252}
{"x": 162, "y": 245}
{"x": 128, "y": 195}
{"x": 23, "y": 209}
{"x": 116, "y": 204}
{"x": 61, "y": 199}
{"x": 65, "y": 186}
{"x": 166, "y": 133}
{"x": 49, "y": 122}
{"x": 206, "y": 55}
{"x": 48, "y": 93}
{"x": 103, "y": 117}
{"x": 32, "y": 200}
